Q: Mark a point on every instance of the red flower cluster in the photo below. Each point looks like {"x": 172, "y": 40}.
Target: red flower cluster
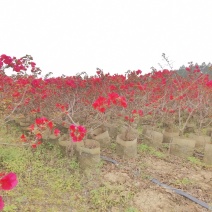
{"x": 50, "y": 125}
{"x": 138, "y": 72}
{"x": 139, "y": 112}
{"x": 56, "y": 132}
{"x": 38, "y": 136}
{"x": 16, "y": 94}
{"x": 62, "y": 107}
{"x": 117, "y": 100}
{"x": 102, "y": 103}
{"x": 171, "y": 97}
{"x": 36, "y": 144}
{"x": 41, "y": 123}
{"x": 23, "y": 138}
{"x": 77, "y": 132}
{"x": 5, "y": 59}
{"x": 127, "y": 118}
{"x": 71, "y": 83}
{"x": 7, "y": 182}
{"x": 18, "y": 65}
{"x": 33, "y": 64}
{"x": 209, "y": 83}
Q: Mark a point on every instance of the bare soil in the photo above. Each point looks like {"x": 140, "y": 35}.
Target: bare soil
{"x": 176, "y": 172}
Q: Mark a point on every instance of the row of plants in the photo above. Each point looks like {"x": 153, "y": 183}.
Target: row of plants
{"x": 90, "y": 101}
{"x": 47, "y": 108}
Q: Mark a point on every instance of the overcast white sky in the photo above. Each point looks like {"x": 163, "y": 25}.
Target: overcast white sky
{"x": 71, "y": 36}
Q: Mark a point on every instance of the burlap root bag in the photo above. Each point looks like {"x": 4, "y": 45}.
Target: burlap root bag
{"x": 182, "y": 147}
{"x": 102, "y": 136}
{"x": 88, "y": 156}
{"x": 153, "y": 138}
{"x": 208, "y": 154}
{"x": 126, "y": 149}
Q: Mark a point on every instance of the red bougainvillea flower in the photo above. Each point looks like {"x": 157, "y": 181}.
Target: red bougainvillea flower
{"x": 122, "y": 101}
{"x": 9, "y": 181}
{"x": 38, "y": 136}
{"x": 36, "y": 144}
{"x": 36, "y": 83}
{"x": 6, "y": 59}
{"x": 134, "y": 111}
{"x": 98, "y": 72}
{"x": 101, "y": 104}
{"x": 209, "y": 83}
{"x": 131, "y": 119}
{"x": 26, "y": 101}
{"x": 140, "y": 112}
{"x": 126, "y": 118}
{"x": 171, "y": 97}
{"x": 171, "y": 111}
{"x": 71, "y": 83}
{"x": 18, "y": 68}
{"x": 1, "y": 203}
{"x": 62, "y": 107}
{"x": 138, "y": 72}
{"x": 117, "y": 100}
{"x": 141, "y": 87}
{"x": 50, "y": 125}
{"x": 41, "y": 121}
{"x": 23, "y": 138}
{"x": 77, "y": 132}
{"x": 56, "y": 132}
{"x": 113, "y": 87}
{"x": 33, "y": 64}
{"x": 113, "y": 96}
{"x": 16, "y": 94}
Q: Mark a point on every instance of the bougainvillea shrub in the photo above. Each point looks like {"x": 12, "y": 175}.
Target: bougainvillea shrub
{"x": 86, "y": 102}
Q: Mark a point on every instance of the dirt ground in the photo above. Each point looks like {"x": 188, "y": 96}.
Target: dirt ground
{"x": 135, "y": 175}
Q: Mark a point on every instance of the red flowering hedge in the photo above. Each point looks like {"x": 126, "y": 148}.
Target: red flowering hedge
{"x": 83, "y": 103}
{"x": 89, "y": 101}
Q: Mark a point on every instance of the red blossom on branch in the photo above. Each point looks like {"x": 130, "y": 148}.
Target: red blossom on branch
{"x": 41, "y": 121}
{"x": 38, "y": 136}
{"x": 117, "y": 100}
{"x": 56, "y": 132}
{"x": 33, "y": 64}
{"x": 50, "y": 125}
{"x": 101, "y": 104}
{"x": 23, "y": 138}
{"x": 9, "y": 181}
{"x": 36, "y": 144}
{"x": 140, "y": 112}
{"x": 77, "y": 132}
{"x": 138, "y": 72}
